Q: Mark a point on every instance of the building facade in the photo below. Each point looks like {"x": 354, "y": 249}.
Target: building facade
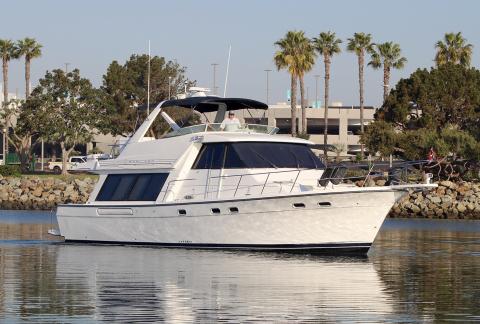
{"x": 343, "y": 123}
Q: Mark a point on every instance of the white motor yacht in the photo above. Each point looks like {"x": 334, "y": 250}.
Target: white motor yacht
{"x": 237, "y": 188}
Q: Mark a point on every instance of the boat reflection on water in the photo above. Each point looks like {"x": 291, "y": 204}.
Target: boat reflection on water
{"x": 177, "y": 285}
{"x": 425, "y": 272}
{"x": 55, "y": 281}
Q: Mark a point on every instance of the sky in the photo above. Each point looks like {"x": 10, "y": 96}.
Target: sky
{"x": 89, "y": 35}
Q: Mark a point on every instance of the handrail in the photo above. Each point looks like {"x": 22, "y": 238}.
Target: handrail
{"x": 264, "y": 184}
{"x": 268, "y": 174}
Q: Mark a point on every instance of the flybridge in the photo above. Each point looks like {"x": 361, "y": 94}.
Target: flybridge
{"x": 202, "y": 104}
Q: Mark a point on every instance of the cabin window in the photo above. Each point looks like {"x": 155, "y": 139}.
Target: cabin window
{"x": 211, "y": 156}
{"x": 216, "y": 210}
{"x": 132, "y": 187}
{"x": 249, "y": 155}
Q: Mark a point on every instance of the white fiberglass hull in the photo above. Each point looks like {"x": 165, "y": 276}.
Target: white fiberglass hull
{"x": 342, "y": 221}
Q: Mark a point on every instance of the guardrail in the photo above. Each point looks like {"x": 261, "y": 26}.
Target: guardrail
{"x": 330, "y": 176}
{"x": 237, "y": 186}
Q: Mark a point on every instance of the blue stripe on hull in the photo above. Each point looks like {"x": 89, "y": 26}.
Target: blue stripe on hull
{"x": 328, "y": 248}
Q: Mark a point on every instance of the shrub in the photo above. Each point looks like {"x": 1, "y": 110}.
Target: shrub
{"x": 10, "y": 170}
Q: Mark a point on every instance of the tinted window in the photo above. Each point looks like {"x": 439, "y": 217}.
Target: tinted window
{"x": 132, "y": 187}
{"x": 257, "y": 155}
{"x": 211, "y": 156}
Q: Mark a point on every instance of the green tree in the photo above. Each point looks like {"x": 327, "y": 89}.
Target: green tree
{"x": 453, "y": 49}
{"x": 327, "y": 44}
{"x": 448, "y": 94}
{"x": 65, "y": 109}
{"x": 8, "y": 51}
{"x": 30, "y": 49}
{"x": 361, "y": 44}
{"x": 125, "y": 89}
{"x": 437, "y": 108}
{"x": 294, "y": 55}
{"x": 388, "y": 55}
{"x": 380, "y": 137}
{"x": 23, "y": 130}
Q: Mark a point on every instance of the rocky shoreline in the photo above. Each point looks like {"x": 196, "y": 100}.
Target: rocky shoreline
{"x": 34, "y": 193}
{"x": 449, "y": 201}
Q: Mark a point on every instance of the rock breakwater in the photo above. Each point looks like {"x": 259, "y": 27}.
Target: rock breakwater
{"x": 450, "y": 200}
{"x": 43, "y": 193}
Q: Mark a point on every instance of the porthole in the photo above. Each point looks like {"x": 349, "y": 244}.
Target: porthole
{"x": 182, "y": 212}
{"x": 233, "y": 210}
{"x": 299, "y": 205}
{"x": 324, "y": 204}
{"x": 215, "y": 210}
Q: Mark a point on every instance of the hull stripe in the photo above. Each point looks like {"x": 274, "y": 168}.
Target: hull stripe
{"x": 357, "y": 248}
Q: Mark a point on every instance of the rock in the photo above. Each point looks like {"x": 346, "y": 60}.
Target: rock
{"x": 461, "y": 207}
{"x": 37, "y": 192}
{"x": 435, "y": 199}
{"x": 448, "y": 184}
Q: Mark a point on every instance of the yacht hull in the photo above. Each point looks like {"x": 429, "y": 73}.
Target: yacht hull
{"x": 341, "y": 222}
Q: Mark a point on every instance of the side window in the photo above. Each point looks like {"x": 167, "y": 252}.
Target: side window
{"x": 211, "y": 156}
{"x": 132, "y": 187}
{"x": 256, "y": 155}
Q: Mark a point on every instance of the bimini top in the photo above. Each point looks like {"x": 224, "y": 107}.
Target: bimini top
{"x": 211, "y": 103}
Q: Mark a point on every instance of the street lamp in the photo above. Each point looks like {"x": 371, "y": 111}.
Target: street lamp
{"x": 267, "y": 71}
{"x": 214, "y": 78}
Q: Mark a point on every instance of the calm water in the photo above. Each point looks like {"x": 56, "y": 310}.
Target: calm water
{"x": 418, "y": 271}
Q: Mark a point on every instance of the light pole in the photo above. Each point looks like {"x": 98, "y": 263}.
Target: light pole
{"x": 267, "y": 71}
{"x": 316, "y": 89}
{"x": 214, "y": 78}
{"x": 169, "y": 91}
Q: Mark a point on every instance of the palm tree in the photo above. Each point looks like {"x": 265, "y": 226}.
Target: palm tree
{"x": 360, "y": 44}
{"x": 8, "y": 51}
{"x": 388, "y": 55}
{"x": 29, "y": 48}
{"x": 454, "y": 49}
{"x": 305, "y": 60}
{"x": 295, "y": 55}
{"x": 327, "y": 44}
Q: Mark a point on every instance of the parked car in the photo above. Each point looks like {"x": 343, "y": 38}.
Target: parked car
{"x": 57, "y": 165}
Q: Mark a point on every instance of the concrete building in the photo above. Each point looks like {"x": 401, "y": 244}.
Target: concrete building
{"x": 343, "y": 122}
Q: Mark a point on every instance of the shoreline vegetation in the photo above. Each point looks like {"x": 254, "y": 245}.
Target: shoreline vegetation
{"x": 451, "y": 200}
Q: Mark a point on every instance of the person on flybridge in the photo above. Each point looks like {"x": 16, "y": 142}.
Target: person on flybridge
{"x": 231, "y": 123}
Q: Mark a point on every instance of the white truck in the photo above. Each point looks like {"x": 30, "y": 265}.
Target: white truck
{"x": 73, "y": 161}
{"x": 78, "y": 163}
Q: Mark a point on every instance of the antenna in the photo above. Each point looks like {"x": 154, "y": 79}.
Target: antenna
{"x": 148, "y": 81}
{"x": 226, "y": 75}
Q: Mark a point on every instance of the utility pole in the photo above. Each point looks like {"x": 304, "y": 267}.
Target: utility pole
{"x": 316, "y": 90}
{"x": 214, "y": 78}
{"x": 169, "y": 89}
{"x": 267, "y": 71}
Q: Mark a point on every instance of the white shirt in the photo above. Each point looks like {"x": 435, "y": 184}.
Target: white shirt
{"x": 230, "y": 124}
